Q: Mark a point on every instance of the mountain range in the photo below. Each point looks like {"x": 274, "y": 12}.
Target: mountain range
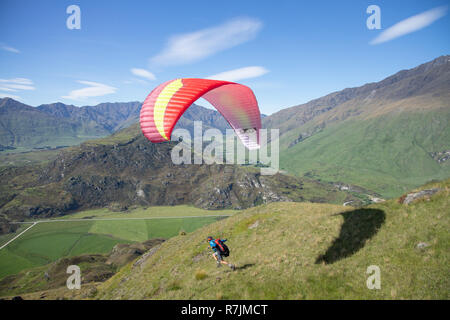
{"x": 58, "y": 125}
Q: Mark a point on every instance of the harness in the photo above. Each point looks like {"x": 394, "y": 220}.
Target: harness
{"x": 217, "y": 242}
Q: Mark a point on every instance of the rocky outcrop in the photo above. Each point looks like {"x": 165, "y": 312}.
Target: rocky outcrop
{"x": 140, "y": 262}
{"x": 441, "y": 156}
{"x": 123, "y": 253}
{"x": 410, "y": 197}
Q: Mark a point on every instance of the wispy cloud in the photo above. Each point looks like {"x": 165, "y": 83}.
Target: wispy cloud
{"x": 14, "y": 85}
{"x": 194, "y": 46}
{"x": 7, "y": 89}
{"x": 17, "y": 80}
{"x": 8, "y": 48}
{"x": 411, "y": 24}
{"x": 19, "y": 86}
{"x": 94, "y": 89}
{"x": 241, "y": 73}
{"x": 143, "y": 73}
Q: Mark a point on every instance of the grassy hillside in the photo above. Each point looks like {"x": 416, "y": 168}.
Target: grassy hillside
{"x": 304, "y": 251}
{"x": 388, "y": 136}
{"x": 94, "y": 268}
{"x": 49, "y": 241}
{"x": 388, "y": 154}
{"x": 21, "y": 156}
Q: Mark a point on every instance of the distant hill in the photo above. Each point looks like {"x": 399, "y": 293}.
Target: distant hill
{"x": 25, "y": 126}
{"x": 58, "y": 124}
{"x": 110, "y": 117}
{"x": 388, "y": 136}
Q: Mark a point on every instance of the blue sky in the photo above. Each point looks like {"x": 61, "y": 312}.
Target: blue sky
{"x": 288, "y": 52}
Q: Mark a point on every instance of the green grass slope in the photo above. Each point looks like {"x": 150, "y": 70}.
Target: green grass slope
{"x": 388, "y": 154}
{"x": 21, "y": 156}
{"x": 303, "y": 251}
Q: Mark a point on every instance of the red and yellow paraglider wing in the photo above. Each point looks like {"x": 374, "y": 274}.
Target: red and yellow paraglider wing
{"x": 167, "y": 102}
{"x": 147, "y": 121}
{"x": 238, "y": 105}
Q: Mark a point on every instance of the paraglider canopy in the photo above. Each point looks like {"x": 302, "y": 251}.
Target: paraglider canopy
{"x": 166, "y": 104}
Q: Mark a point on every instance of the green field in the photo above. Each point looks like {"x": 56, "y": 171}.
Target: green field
{"x": 49, "y": 241}
{"x": 23, "y": 156}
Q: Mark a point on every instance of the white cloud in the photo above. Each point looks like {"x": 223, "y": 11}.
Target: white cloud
{"x": 239, "y": 74}
{"x": 143, "y": 73}
{"x": 194, "y": 46}
{"x": 94, "y": 89}
{"x": 8, "y": 48}
{"x": 411, "y": 24}
{"x": 17, "y": 84}
{"x": 17, "y": 80}
{"x": 7, "y": 89}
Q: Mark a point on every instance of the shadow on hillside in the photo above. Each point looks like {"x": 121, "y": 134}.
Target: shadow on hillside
{"x": 359, "y": 225}
{"x": 245, "y": 266}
